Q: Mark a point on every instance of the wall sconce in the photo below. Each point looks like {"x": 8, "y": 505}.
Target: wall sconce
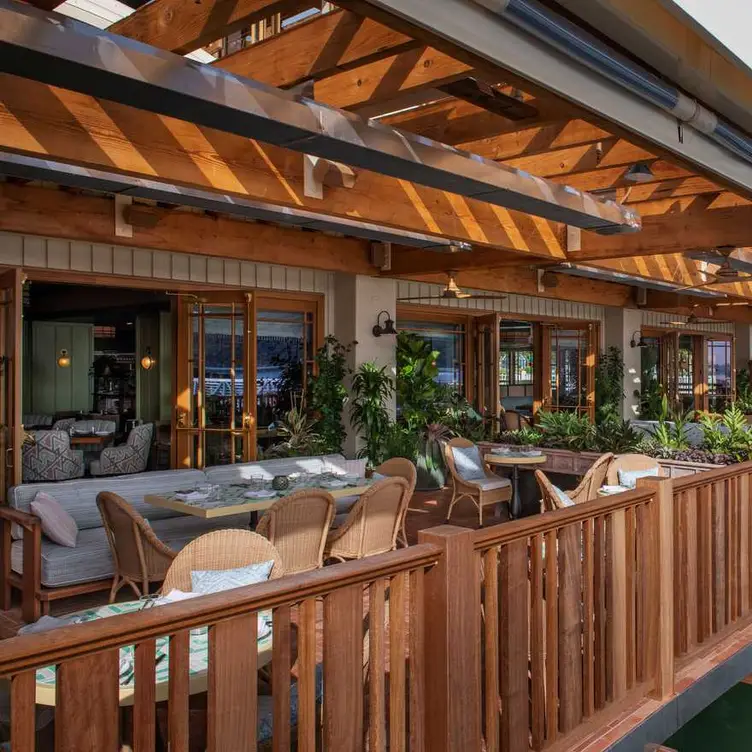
{"x": 639, "y": 342}
{"x": 64, "y": 359}
{"x": 148, "y": 362}
{"x": 388, "y": 327}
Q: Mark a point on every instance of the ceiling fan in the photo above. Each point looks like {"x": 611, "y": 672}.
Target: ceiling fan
{"x": 726, "y": 272}
{"x": 452, "y": 292}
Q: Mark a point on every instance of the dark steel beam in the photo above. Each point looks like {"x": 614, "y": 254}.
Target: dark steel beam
{"x": 62, "y": 52}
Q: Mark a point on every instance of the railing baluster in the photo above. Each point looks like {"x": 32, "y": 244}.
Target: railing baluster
{"x": 514, "y": 630}
{"x": 744, "y": 548}
{"x": 397, "y": 658}
{"x": 376, "y": 667}
{"x": 491, "y": 647}
{"x": 178, "y": 698}
{"x": 570, "y": 627}
{"x": 537, "y": 644}
{"x": 705, "y": 538}
{"x": 307, "y": 675}
{"x": 719, "y": 556}
{"x": 87, "y": 703}
{"x": 633, "y": 575}
{"x": 232, "y": 685}
{"x": 144, "y": 708}
{"x": 281, "y": 665}
{"x": 616, "y": 621}
{"x": 343, "y": 669}
{"x": 688, "y": 572}
{"x": 22, "y": 717}
{"x": 552, "y": 638}
{"x": 417, "y": 662}
{"x": 599, "y": 605}
{"x": 588, "y": 653}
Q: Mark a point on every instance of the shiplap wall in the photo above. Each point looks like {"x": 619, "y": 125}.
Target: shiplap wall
{"x": 517, "y": 304}
{"x": 54, "y": 253}
{"x": 663, "y": 320}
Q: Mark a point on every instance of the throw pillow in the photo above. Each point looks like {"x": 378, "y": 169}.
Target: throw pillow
{"x": 628, "y": 478}
{"x": 564, "y": 499}
{"x": 219, "y": 580}
{"x": 57, "y": 524}
{"x": 469, "y": 463}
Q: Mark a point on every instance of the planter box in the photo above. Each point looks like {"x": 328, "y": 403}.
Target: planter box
{"x": 578, "y": 463}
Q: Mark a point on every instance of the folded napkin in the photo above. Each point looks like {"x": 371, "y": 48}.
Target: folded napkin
{"x": 192, "y": 496}
{"x": 47, "y": 623}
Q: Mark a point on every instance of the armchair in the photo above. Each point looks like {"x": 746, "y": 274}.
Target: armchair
{"x": 48, "y": 457}
{"x": 128, "y": 458}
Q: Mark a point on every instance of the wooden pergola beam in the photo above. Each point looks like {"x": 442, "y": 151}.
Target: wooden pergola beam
{"x": 65, "y": 126}
{"x": 317, "y": 49}
{"x": 672, "y": 303}
{"x": 183, "y": 27}
{"x": 408, "y": 262}
{"x": 55, "y": 213}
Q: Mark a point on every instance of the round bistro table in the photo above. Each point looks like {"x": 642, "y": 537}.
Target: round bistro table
{"x": 515, "y": 461}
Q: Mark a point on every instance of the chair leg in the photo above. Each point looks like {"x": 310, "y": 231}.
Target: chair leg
{"x": 452, "y": 503}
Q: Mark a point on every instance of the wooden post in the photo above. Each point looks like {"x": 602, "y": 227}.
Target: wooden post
{"x": 452, "y": 645}
{"x": 665, "y": 591}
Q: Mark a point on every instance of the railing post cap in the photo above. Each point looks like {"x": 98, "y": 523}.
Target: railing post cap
{"x": 442, "y": 532}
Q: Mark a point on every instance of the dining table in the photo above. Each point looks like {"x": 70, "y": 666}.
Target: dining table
{"x": 515, "y": 460}
{"x": 198, "y": 662}
{"x": 238, "y": 498}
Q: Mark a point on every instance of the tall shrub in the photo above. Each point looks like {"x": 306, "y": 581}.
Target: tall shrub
{"x": 328, "y": 394}
{"x": 371, "y": 388}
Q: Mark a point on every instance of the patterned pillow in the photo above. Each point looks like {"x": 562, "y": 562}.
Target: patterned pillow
{"x": 468, "y": 462}
{"x": 564, "y": 499}
{"x": 57, "y": 524}
{"x": 219, "y": 580}
{"x": 628, "y": 478}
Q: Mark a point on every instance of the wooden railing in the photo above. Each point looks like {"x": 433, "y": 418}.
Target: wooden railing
{"x": 712, "y": 556}
{"x": 515, "y": 637}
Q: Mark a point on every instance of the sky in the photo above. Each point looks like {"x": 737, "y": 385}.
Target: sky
{"x": 729, "y": 21}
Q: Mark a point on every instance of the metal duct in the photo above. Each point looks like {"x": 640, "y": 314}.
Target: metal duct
{"x": 32, "y": 168}
{"x": 577, "y": 44}
{"x": 57, "y": 50}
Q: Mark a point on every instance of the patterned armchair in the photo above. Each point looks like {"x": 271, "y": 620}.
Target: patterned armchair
{"x": 47, "y": 456}
{"x": 129, "y": 458}
{"x": 64, "y": 424}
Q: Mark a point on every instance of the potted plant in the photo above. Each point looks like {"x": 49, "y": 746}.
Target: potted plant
{"x": 371, "y": 388}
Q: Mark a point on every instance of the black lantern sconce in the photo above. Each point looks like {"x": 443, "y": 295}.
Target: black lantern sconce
{"x": 387, "y": 328}
{"x": 639, "y": 342}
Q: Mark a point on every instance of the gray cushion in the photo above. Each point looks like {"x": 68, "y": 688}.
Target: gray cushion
{"x": 91, "y": 560}
{"x": 223, "y": 474}
{"x": 469, "y": 463}
{"x": 79, "y": 497}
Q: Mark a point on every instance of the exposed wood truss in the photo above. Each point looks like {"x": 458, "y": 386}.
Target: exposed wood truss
{"x": 372, "y": 64}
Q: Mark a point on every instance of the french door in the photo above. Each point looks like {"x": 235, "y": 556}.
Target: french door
{"x": 243, "y": 361}
{"x": 214, "y": 418}
{"x": 11, "y": 430}
{"x": 568, "y": 372}
{"x": 487, "y": 366}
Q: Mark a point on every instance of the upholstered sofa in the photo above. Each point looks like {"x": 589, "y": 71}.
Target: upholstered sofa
{"x": 45, "y": 571}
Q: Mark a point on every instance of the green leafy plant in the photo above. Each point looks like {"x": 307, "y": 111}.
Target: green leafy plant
{"x": 371, "y": 388}
{"x": 670, "y": 433}
{"x": 328, "y": 395}
{"x": 521, "y": 437}
{"x": 744, "y": 391}
{"x": 617, "y": 436}
{"x": 728, "y": 433}
{"x": 609, "y": 381}
{"x": 566, "y": 430}
{"x": 417, "y": 389}
{"x": 651, "y": 399}
{"x": 299, "y": 438}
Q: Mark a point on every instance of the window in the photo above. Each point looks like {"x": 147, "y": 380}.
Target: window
{"x": 448, "y": 339}
{"x": 686, "y": 375}
{"x": 517, "y": 365}
{"x": 569, "y": 355}
{"x": 718, "y": 368}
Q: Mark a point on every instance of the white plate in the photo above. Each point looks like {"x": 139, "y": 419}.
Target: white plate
{"x": 613, "y": 489}
{"x": 332, "y": 484}
{"x": 259, "y": 494}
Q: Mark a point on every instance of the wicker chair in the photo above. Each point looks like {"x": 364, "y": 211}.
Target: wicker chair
{"x": 399, "y": 467}
{"x": 139, "y": 556}
{"x": 373, "y": 523}
{"x": 473, "y": 490}
{"x": 297, "y": 526}
{"x": 511, "y": 420}
{"x": 221, "y": 549}
{"x": 633, "y": 462}
{"x": 587, "y": 489}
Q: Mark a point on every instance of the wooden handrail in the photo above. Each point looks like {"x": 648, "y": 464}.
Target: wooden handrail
{"x": 689, "y": 482}
{"x": 549, "y": 521}
{"x": 32, "y": 651}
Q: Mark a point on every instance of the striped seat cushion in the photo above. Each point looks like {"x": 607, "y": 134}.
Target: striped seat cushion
{"x": 90, "y": 560}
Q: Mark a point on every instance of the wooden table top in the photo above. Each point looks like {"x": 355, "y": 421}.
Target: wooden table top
{"x": 91, "y": 439}
{"x": 514, "y": 459}
{"x": 242, "y": 507}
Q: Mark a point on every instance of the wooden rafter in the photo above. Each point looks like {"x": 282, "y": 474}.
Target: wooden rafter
{"x": 183, "y": 27}
{"x": 75, "y": 128}
{"x": 317, "y": 49}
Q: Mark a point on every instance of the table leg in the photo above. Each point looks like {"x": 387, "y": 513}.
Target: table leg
{"x": 254, "y": 519}
{"x": 516, "y": 506}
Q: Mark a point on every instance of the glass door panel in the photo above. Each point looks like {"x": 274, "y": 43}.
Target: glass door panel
{"x": 720, "y": 388}
{"x": 517, "y": 366}
{"x": 685, "y": 379}
{"x": 570, "y": 370}
{"x": 487, "y": 367}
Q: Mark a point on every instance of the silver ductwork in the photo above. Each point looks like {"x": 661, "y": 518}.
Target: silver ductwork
{"x": 586, "y": 49}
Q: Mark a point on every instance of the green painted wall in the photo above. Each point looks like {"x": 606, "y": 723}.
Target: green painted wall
{"x": 51, "y": 388}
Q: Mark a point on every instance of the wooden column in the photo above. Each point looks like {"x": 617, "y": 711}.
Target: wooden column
{"x": 664, "y": 590}
{"x": 452, "y": 644}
